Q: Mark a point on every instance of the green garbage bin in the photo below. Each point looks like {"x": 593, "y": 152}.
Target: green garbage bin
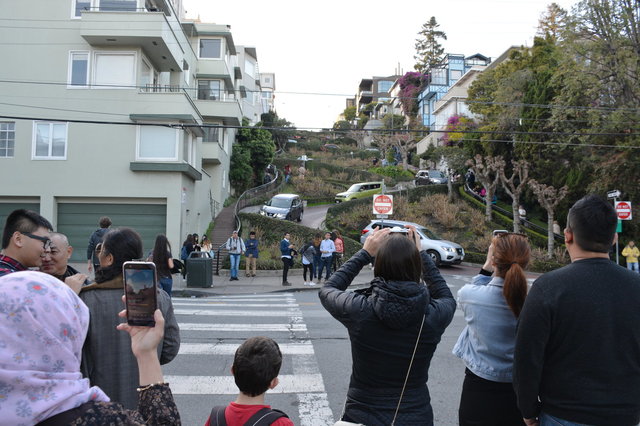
{"x": 199, "y": 269}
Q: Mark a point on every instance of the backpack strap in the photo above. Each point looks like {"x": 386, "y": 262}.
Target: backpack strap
{"x": 265, "y": 417}
{"x": 216, "y": 418}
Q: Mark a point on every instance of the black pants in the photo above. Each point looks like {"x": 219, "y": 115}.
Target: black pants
{"x": 487, "y": 403}
{"x": 306, "y": 268}
{"x": 286, "y": 264}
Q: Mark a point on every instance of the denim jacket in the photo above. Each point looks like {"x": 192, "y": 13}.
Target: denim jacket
{"x": 487, "y": 343}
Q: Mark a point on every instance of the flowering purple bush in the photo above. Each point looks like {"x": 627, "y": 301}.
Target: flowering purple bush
{"x": 410, "y": 85}
{"x": 455, "y": 125}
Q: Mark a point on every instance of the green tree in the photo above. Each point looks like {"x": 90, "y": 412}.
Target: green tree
{"x": 240, "y": 171}
{"x": 260, "y": 147}
{"x": 349, "y": 113}
{"x": 429, "y": 51}
{"x": 552, "y": 24}
{"x": 280, "y": 129}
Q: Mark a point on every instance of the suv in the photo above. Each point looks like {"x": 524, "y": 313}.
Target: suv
{"x": 441, "y": 251}
{"x": 284, "y": 206}
{"x": 426, "y": 177}
{"x": 360, "y": 190}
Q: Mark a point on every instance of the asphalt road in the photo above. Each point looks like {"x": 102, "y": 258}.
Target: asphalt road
{"x": 316, "y": 355}
{"x": 313, "y": 217}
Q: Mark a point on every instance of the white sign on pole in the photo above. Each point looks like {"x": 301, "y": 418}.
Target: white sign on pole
{"x": 623, "y": 208}
{"x": 383, "y": 204}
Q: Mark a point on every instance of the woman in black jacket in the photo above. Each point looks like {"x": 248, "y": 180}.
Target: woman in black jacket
{"x": 383, "y": 322}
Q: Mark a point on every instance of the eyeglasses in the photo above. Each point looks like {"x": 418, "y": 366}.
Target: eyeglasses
{"x": 98, "y": 248}
{"x": 46, "y": 242}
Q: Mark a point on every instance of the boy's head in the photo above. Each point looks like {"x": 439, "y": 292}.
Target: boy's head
{"x": 256, "y": 365}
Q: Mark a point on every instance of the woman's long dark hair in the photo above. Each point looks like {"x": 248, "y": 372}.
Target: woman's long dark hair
{"x": 124, "y": 244}
{"x": 160, "y": 255}
{"x": 398, "y": 259}
{"x": 511, "y": 254}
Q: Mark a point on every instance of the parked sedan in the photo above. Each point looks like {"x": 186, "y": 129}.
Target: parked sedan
{"x": 426, "y": 177}
{"x": 441, "y": 251}
{"x": 284, "y": 206}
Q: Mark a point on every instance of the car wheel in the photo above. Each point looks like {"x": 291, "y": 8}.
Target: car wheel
{"x": 300, "y": 217}
{"x": 435, "y": 256}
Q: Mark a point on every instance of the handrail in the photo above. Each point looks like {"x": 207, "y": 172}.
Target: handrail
{"x": 248, "y": 197}
{"x": 218, "y": 258}
{"x": 525, "y": 222}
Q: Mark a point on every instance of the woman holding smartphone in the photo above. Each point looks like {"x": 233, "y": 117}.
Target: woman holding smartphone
{"x": 491, "y": 305}
{"x": 106, "y": 360}
{"x": 53, "y": 390}
{"x": 394, "y": 327}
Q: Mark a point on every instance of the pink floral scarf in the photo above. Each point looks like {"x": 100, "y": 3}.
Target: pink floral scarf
{"x": 43, "y": 324}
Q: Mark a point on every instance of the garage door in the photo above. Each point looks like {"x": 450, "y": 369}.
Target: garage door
{"x": 79, "y": 220}
{"x": 7, "y": 208}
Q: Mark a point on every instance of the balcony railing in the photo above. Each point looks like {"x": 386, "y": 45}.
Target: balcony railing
{"x": 160, "y": 88}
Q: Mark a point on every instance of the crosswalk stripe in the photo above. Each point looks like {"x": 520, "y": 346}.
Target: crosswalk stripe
{"x": 314, "y": 409}
{"x": 238, "y": 313}
{"x": 235, "y": 305}
{"x": 225, "y": 385}
{"x": 242, "y": 297}
{"x": 242, "y": 327}
{"x": 230, "y": 349}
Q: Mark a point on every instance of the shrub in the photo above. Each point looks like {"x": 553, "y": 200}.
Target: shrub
{"x": 395, "y": 172}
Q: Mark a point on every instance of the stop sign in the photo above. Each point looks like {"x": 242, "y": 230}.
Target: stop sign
{"x": 383, "y": 204}
{"x": 623, "y": 208}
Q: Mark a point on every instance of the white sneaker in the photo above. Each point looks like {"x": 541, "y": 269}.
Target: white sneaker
{"x": 312, "y": 284}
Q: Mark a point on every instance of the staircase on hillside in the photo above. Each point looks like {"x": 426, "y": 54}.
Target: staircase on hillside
{"x": 223, "y": 225}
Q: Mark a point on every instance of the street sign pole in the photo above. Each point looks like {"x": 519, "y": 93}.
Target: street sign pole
{"x": 615, "y": 194}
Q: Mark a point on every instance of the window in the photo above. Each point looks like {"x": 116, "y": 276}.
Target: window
{"x": 266, "y": 95}
{"x": 249, "y": 68}
{"x": 439, "y": 76}
{"x": 211, "y": 134}
{"x": 50, "y": 140}
{"x": 210, "y": 90}
{"x": 114, "y": 70}
{"x": 384, "y": 86}
{"x": 456, "y": 74}
{"x": 79, "y": 6}
{"x": 78, "y": 69}
{"x": 157, "y": 143}
{"x": 211, "y": 48}
{"x": 7, "y": 139}
{"x": 118, "y": 5}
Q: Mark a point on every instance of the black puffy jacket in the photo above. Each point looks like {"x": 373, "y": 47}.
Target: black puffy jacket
{"x": 383, "y": 323}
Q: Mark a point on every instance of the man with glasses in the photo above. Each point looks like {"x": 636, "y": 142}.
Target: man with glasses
{"x": 25, "y": 240}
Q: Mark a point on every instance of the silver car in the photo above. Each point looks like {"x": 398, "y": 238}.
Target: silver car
{"x": 442, "y": 252}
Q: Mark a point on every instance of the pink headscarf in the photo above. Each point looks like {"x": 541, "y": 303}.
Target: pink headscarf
{"x": 43, "y": 324}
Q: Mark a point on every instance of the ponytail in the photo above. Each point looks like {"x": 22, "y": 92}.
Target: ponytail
{"x": 511, "y": 255}
{"x": 515, "y": 288}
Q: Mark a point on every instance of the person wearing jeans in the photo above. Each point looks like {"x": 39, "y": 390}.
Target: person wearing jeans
{"x": 631, "y": 253}
{"x": 236, "y": 247}
{"x": 287, "y": 260}
{"x": 327, "y": 248}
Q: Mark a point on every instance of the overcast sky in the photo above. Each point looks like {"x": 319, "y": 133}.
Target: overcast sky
{"x": 319, "y": 51}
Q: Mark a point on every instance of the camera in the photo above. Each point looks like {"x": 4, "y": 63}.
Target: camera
{"x": 399, "y": 230}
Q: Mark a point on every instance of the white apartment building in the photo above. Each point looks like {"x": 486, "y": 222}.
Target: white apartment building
{"x": 116, "y": 108}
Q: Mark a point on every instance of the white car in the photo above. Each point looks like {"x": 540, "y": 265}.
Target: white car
{"x": 442, "y": 252}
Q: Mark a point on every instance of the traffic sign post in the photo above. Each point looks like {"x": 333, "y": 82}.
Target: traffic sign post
{"x": 623, "y": 209}
{"x": 383, "y": 205}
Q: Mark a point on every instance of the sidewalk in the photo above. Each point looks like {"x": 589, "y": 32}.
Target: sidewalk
{"x": 263, "y": 282}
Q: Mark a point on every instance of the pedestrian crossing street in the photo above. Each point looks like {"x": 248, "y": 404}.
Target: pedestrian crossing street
{"x": 212, "y": 329}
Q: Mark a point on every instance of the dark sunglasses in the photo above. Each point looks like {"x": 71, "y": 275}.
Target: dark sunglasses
{"x": 46, "y": 242}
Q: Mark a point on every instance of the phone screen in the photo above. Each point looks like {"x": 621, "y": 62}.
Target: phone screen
{"x": 140, "y": 292}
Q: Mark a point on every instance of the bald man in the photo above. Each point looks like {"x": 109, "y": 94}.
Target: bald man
{"x": 56, "y": 262}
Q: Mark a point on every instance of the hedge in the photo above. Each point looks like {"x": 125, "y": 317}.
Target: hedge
{"x": 354, "y": 175}
{"x": 274, "y": 230}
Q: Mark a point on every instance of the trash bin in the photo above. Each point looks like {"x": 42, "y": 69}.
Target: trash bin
{"x": 199, "y": 269}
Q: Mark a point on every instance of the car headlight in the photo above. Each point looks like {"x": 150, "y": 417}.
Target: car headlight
{"x": 262, "y": 212}
{"x": 449, "y": 249}
{"x": 281, "y": 215}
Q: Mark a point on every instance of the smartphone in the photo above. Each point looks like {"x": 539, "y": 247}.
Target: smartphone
{"x": 500, "y": 231}
{"x": 140, "y": 292}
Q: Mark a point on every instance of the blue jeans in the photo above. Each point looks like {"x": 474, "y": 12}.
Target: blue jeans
{"x": 166, "y": 284}
{"x": 326, "y": 263}
{"x": 549, "y": 420}
{"x": 632, "y": 266}
{"x": 235, "y": 262}
{"x": 317, "y": 264}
